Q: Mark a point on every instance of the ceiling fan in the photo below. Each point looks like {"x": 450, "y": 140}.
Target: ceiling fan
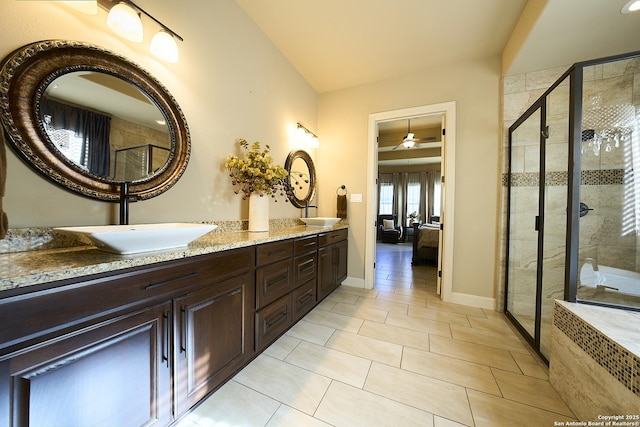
{"x": 410, "y": 140}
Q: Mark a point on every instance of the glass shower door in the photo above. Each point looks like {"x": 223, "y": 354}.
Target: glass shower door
{"x": 554, "y": 229}
{"x": 524, "y": 182}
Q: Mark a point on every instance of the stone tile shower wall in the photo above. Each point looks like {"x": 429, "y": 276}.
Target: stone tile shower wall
{"x": 608, "y": 233}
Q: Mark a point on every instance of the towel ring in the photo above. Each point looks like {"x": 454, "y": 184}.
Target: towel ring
{"x": 343, "y": 188}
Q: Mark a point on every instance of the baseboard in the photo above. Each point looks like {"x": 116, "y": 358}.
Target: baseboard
{"x": 473, "y": 300}
{"x": 354, "y": 282}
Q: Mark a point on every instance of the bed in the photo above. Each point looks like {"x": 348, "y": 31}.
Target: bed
{"x": 425, "y": 243}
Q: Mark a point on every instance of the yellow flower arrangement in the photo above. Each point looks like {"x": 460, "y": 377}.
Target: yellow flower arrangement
{"x": 256, "y": 173}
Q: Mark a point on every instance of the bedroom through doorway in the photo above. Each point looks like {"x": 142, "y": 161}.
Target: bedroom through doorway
{"x": 409, "y": 158}
{"x": 410, "y": 150}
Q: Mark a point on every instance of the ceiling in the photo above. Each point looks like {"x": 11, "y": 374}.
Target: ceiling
{"x": 392, "y": 133}
{"x": 337, "y": 44}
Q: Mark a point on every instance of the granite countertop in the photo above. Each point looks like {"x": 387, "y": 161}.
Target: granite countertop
{"x": 27, "y": 268}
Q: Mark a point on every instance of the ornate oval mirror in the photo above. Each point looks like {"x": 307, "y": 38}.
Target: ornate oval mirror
{"x": 301, "y": 178}
{"x": 89, "y": 119}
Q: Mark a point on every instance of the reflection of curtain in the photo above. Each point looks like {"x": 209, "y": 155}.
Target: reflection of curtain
{"x": 92, "y": 127}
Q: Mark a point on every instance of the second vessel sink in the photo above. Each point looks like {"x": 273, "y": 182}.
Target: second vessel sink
{"x": 320, "y": 221}
{"x": 131, "y": 239}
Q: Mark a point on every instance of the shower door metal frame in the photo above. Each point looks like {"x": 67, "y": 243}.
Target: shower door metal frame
{"x": 534, "y": 340}
{"x": 541, "y": 104}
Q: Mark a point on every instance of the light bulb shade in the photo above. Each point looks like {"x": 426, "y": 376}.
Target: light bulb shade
{"x": 631, "y": 6}
{"x": 124, "y": 21}
{"x": 164, "y": 46}
{"x": 90, "y": 7}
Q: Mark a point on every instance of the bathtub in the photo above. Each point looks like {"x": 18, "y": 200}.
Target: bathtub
{"x": 610, "y": 279}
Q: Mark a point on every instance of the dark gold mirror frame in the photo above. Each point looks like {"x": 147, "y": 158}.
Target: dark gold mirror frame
{"x": 291, "y": 158}
{"x": 24, "y": 76}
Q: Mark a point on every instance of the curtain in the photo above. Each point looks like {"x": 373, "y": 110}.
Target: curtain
{"x": 401, "y": 183}
{"x": 92, "y": 127}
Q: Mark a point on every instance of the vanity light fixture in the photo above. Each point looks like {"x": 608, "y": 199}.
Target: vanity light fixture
{"x": 164, "y": 46}
{"x": 630, "y": 7}
{"x": 124, "y": 19}
{"x": 307, "y": 136}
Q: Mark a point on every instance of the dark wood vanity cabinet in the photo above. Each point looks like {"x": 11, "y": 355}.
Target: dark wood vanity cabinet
{"x": 274, "y": 282}
{"x": 305, "y": 265}
{"x": 285, "y": 285}
{"x": 214, "y": 337}
{"x": 332, "y": 261}
{"x": 114, "y": 373}
{"x": 137, "y": 347}
{"x": 143, "y": 345}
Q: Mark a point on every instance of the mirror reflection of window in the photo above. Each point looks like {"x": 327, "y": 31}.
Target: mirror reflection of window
{"x": 76, "y": 129}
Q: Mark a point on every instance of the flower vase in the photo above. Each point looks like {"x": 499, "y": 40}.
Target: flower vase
{"x": 258, "y": 213}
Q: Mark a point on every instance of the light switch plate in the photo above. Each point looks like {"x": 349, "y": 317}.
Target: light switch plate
{"x": 356, "y": 198}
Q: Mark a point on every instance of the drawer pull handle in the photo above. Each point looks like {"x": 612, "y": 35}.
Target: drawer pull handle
{"x": 165, "y": 337}
{"x": 278, "y": 281}
{"x": 282, "y": 316}
{"x": 304, "y": 298}
{"x": 170, "y": 281}
{"x": 183, "y": 333}
{"x": 308, "y": 267}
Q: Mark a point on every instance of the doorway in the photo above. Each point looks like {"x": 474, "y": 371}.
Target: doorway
{"x": 447, "y": 112}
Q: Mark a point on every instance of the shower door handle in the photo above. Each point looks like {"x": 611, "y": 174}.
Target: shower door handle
{"x": 537, "y": 225}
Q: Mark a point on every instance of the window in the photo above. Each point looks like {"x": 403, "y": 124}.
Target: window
{"x": 70, "y": 145}
{"x": 386, "y": 198}
{"x": 413, "y": 199}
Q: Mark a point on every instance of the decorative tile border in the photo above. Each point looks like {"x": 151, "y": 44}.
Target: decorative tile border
{"x": 619, "y": 362}
{"x": 588, "y": 177}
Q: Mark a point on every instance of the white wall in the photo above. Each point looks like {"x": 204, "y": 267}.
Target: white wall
{"x": 342, "y": 125}
{"x": 230, "y": 82}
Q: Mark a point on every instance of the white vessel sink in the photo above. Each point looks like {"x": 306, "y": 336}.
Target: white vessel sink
{"x": 320, "y": 221}
{"x": 131, "y": 239}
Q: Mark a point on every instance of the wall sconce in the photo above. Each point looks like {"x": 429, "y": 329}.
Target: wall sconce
{"x": 124, "y": 20}
{"x": 305, "y": 135}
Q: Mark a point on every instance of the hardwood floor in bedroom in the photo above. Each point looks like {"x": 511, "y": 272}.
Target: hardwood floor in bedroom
{"x": 395, "y": 355}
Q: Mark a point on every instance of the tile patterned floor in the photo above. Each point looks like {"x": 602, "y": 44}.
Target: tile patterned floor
{"x": 392, "y": 356}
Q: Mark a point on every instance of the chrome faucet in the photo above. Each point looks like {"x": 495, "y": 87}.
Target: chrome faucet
{"x": 306, "y": 208}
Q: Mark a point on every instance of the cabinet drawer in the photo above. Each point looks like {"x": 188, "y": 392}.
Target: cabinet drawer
{"x": 333, "y": 237}
{"x": 305, "y": 268}
{"x": 304, "y": 299}
{"x": 271, "y": 252}
{"x": 273, "y": 281}
{"x": 306, "y": 244}
{"x": 271, "y": 321}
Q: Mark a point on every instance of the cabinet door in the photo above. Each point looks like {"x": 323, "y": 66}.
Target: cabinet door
{"x": 326, "y": 273}
{"x": 341, "y": 249}
{"x": 214, "y": 332}
{"x": 115, "y": 373}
